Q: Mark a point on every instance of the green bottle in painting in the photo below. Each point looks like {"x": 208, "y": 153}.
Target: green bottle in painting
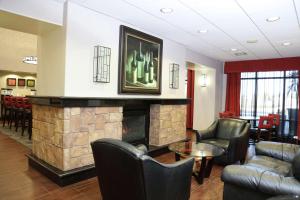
{"x": 146, "y": 69}
{"x": 134, "y": 68}
{"x": 140, "y": 64}
{"x": 151, "y": 68}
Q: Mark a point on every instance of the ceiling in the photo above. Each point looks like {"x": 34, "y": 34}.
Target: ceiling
{"x": 14, "y": 47}
{"x": 24, "y": 24}
{"x": 229, "y": 24}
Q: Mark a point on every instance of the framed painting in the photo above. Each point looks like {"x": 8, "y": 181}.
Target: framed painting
{"x": 21, "y": 82}
{"x": 30, "y": 83}
{"x": 140, "y": 62}
{"x": 11, "y": 81}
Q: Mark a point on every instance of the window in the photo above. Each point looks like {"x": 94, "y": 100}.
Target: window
{"x": 263, "y": 93}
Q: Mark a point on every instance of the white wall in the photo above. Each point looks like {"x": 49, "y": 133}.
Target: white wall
{"x": 103, "y": 30}
{"x": 204, "y": 99}
{"x": 218, "y": 98}
{"x": 51, "y": 59}
{"x": 44, "y": 10}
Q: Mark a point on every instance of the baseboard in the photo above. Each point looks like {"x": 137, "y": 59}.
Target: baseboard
{"x": 61, "y": 178}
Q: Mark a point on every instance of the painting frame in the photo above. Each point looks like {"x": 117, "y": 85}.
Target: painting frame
{"x": 30, "y": 83}
{"x": 21, "y": 82}
{"x": 11, "y": 81}
{"x": 147, "y": 79}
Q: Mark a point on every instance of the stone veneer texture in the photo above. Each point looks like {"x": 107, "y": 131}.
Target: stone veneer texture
{"x": 167, "y": 124}
{"x": 62, "y": 136}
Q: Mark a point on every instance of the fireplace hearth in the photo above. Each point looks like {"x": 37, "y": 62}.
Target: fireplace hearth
{"x": 135, "y": 124}
{"x": 64, "y": 127}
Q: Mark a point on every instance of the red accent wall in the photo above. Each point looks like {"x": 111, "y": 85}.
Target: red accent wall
{"x": 190, "y": 94}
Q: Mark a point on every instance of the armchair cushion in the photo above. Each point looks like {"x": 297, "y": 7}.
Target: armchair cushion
{"x": 218, "y": 142}
{"x": 271, "y": 164}
{"x": 260, "y": 179}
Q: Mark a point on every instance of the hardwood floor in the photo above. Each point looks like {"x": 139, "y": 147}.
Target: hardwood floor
{"x": 18, "y": 181}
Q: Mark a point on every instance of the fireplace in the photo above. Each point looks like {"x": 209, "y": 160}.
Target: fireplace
{"x": 135, "y": 124}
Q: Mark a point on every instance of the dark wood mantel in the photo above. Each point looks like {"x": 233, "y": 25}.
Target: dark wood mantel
{"x": 57, "y": 101}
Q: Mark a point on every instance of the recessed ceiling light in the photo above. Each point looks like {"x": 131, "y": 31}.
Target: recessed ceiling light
{"x": 233, "y": 49}
{"x": 202, "y": 31}
{"x": 252, "y": 41}
{"x": 166, "y": 10}
{"x": 286, "y": 43}
{"x": 272, "y": 19}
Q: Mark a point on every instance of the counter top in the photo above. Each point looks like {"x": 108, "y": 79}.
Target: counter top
{"x": 63, "y": 101}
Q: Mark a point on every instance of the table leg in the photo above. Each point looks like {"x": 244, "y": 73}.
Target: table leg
{"x": 200, "y": 175}
{"x": 209, "y": 167}
{"x": 177, "y": 157}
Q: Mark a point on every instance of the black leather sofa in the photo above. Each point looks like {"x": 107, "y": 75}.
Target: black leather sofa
{"x": 126, "y": 172}
{"x": 230, "y": 134}
{"x": 274, "y": 170}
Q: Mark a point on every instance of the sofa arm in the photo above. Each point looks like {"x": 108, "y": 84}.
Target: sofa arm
{"x": 208, "y": 133}
{"x": 282, "y": 151}
{"x": 241, "y": 175}
{"x": 167, "y": 181}
{"x": 259, "y": 179}
{"x": 238, "y": 146}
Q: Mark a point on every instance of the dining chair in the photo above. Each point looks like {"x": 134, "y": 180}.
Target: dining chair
{"x": 275, "y": 128}
{"x": 264, "y": 128}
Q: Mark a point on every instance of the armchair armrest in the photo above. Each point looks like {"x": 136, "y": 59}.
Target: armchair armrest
{"x": 142, "y": 148}
{"x": 282, "y": 151}
{"x": 238, "y": 145}
{"x": 259, "y": 179}
{"x": 241, "y": 175}
{"x": 208, "y": 133}
{"x": 167, "y": 181}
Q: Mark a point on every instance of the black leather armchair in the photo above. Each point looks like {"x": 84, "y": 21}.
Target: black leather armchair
{"x": 274, "y": 170}
{"x": 125, "y": 172}
{"x": 230, "y": 134}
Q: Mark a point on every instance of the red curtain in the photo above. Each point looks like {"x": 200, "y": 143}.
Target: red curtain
{"x": 278, "y": 64}
{"x": 233, "y": 93}
{"x": 298, "y": 125}
{"x": 190, "y": 94}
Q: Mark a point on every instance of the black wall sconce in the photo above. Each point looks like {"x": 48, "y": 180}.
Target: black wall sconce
{"x": 174, "y": 76}
{"x": 101, "y": 65}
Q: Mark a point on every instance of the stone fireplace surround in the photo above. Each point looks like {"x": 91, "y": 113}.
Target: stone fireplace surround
{"x": 64, "y": 127}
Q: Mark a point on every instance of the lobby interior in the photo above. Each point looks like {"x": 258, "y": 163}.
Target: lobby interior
{"x": 208, "y": 62}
